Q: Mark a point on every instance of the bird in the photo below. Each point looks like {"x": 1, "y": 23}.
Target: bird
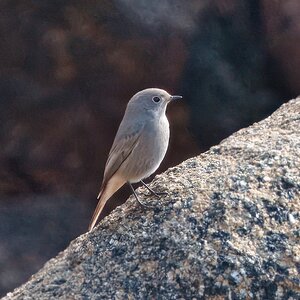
{"x": 139, "y": 146}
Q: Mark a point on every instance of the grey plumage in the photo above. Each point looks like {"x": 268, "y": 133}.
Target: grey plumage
{"x": 139, "y": 146}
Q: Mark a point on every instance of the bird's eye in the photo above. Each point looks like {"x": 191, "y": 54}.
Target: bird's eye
{"x": 156, "y": 99}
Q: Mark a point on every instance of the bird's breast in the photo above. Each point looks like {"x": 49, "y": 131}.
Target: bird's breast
{"x": 158, "y": 134}
{"x": 150, "y": 149}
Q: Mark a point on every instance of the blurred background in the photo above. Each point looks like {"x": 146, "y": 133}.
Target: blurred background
{"x": 67, "y": 70}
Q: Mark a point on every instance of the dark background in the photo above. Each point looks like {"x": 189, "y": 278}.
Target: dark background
{"x": 67, "y": 70}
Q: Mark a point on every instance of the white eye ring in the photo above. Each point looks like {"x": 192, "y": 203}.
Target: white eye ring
{"x": 156, "y": 99}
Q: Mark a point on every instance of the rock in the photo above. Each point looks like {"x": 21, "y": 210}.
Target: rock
{"x": 224, "y": 231}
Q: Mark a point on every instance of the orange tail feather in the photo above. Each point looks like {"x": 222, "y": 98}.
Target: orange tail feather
{"x": 105, "y": 193}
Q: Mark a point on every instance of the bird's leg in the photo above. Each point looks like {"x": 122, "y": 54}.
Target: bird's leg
{"x": 136, "y": 196}
{"x": 157, "y": 194}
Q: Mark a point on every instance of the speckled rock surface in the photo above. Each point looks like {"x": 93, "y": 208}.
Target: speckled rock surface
{"x": 228, "y": 229}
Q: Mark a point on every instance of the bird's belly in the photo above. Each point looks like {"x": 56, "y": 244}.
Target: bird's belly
{"x": 148, "y": 154}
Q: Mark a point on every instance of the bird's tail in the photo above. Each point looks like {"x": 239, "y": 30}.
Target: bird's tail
{"x": 105, "y": 193}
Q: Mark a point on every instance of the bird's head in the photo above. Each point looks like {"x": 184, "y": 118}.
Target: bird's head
{"x": 151, "y": 100}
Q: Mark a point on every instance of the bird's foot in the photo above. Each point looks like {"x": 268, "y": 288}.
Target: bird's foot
{"x": 157, "y": 194}
{"x": 152, "y": 192}
{"x": 143, "y": 204}
{"x": 137, "y": 198}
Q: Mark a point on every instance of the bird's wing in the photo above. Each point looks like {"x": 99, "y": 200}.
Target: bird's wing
{"x": 122, "y": 147}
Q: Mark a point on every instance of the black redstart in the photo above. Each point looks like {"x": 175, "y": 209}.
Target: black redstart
{"x": 139, "y": 146}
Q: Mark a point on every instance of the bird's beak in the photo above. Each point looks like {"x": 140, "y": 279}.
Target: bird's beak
{"x": 175, "y": 98}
